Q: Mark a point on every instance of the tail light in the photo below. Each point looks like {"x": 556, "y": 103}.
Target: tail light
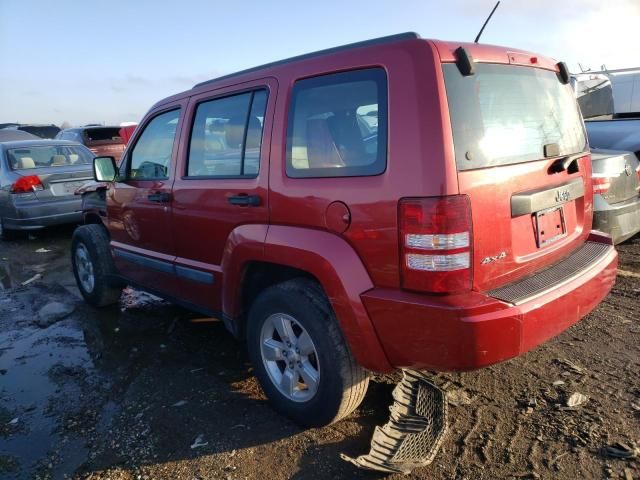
{"x": 29, "y": 183}
{"x": 601, "y": 183}
{"x": 638, "y": 172}
{"x": 435, "y": 242}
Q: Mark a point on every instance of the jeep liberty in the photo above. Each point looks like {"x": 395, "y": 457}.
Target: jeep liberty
{"x": 398, "y": 203}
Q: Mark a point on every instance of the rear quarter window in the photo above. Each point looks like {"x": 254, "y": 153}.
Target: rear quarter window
{"x": 337, "y": 125}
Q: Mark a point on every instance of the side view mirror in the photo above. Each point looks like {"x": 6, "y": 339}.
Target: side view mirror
{"x": 104, "y": 169}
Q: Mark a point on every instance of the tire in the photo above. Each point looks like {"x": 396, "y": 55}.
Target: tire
{"x": 90, "y": 255}
{"x": 342, "y": 383}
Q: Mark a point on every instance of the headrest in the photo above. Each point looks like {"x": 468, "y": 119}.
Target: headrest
{"x": 322, "y": 151}
{"x": 26, "y": 162}
{"x": 234, "y": 132}
{"x": 58, "y": 160}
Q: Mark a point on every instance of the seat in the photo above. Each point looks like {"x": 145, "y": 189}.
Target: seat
{"x": 26, "y": 162}
{"x": 74, "y": 158}
{"x": 322, "y": 151}
{"x": 58, "y": 160}
{"x": 348, "y": 136}
{"x": 234, "y": 132}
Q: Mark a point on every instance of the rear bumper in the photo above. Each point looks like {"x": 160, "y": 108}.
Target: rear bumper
{"x": 620, "y": 220}
{"x": 38, "y": 214}
{"x": 470, "y": 331}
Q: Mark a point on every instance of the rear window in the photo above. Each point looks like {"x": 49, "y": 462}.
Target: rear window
{"x": 506, "y": 114}
{"x": 102, "y": 134}
{"x": 27, "y": 158}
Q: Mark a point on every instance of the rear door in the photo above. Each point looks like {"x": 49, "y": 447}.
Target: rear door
{"x": 522, "y": 158}
{"x": 222, "y": 183}
{"x": 139, "y": 204}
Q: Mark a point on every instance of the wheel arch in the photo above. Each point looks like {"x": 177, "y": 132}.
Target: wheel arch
{"x": 289, "y": 252}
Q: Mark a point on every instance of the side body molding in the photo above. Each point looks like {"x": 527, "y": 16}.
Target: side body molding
{"x": 327, "y": 257}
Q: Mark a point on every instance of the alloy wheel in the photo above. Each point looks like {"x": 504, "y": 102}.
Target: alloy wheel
{"x": 84, "y": 267}
{"x": 290, "y": 357}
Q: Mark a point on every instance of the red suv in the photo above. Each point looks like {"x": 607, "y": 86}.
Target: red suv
{"x": 395, "y": 203}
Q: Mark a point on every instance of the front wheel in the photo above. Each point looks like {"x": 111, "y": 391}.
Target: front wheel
{"x": 93, "y": 265}
{"x": 300, "y": 357}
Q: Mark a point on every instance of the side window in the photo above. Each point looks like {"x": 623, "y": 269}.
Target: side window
{"x": 151, "y": 155}
{"x": 227, "y": 135}
{"x": 338, "y": 125}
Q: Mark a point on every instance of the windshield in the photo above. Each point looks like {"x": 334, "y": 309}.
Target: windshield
{"x": 26, "y": 158}
{"x": 506, "y": 114}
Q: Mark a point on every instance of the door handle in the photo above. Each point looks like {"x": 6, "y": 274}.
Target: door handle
{"x": 159, "y": 197}
{"x": 245, "y": 200}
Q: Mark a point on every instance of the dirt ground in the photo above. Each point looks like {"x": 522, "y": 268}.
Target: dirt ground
{"x": 124, "y": 393}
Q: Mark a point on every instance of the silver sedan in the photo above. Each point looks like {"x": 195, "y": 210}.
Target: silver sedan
{"x": 616, "y": 189}
{"x": 38, "y": 179}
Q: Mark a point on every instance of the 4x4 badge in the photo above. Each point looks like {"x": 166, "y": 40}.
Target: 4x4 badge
{"x": 494, "y": 258}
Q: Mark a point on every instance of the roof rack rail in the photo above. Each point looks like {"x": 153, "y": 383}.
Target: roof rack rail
{"x": 617, "y": 70}
{"x": 374, "y": 41}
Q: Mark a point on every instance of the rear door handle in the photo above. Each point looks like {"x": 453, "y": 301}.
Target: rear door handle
{"x": 159, "y": 197}
{"x": 246, "y": 200}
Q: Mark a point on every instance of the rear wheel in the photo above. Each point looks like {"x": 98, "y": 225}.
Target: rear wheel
{"x": 93, "y": 265}
{"x": 300, "y": 357}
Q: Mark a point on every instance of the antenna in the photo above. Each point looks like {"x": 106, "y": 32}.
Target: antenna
{"x": 485, "y": 22}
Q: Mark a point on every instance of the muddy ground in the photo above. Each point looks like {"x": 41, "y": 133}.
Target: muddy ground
{"x": 124, "y": 393}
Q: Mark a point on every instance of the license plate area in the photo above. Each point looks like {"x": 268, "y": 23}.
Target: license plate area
{"x": 549, "y": 226}
{"x": 65, "y": 188}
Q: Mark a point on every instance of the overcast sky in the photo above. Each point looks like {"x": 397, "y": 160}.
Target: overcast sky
{"x": 109, "y": 61}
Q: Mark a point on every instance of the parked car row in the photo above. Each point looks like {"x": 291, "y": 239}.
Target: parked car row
{"x": 100, "y": 139}
{"x": 39, "y": 178}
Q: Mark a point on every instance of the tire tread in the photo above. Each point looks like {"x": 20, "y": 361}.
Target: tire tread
{"x": 355, "y": 378}
{"x": 96, "y": 240}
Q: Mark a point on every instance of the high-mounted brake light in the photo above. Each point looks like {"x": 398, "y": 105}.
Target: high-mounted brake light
{"x": 27, "y": 184}
{"x": 601, "y": 183}
{"x": 435, "y": 237}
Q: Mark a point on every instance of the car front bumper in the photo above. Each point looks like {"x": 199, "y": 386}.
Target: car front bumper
{"x": 474, "y": 330}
